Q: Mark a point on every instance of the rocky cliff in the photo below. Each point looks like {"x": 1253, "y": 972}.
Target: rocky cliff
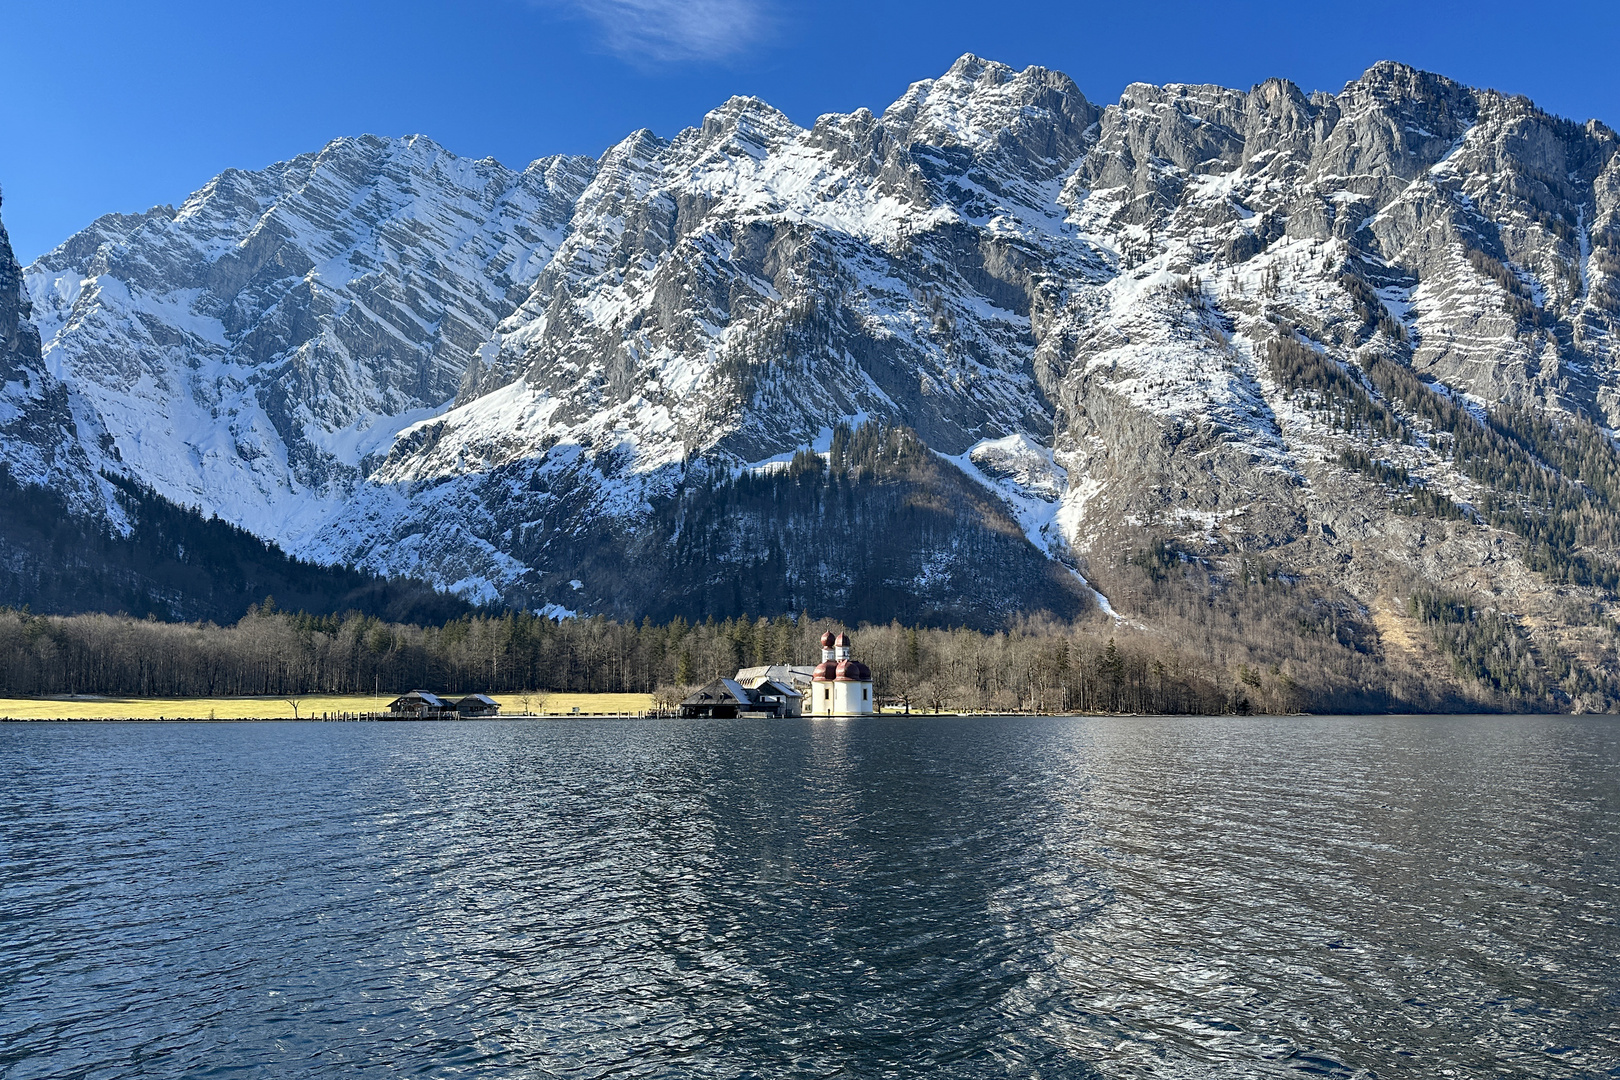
{"x": 42, "y": 440}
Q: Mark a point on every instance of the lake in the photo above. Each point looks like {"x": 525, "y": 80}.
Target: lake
{"x": 976, "y": 897}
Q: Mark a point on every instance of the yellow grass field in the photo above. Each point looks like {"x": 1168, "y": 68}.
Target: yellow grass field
{"x": 309, "y": 706}
{"x": 562, "y": 704}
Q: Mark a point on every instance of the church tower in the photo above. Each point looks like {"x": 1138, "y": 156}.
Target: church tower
{"x": 839, "y": 686}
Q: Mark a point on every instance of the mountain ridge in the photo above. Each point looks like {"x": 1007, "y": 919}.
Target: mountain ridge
{"x": 1085, "y": 310}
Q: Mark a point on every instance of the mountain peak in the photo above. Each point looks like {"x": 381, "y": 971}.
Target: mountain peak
{"x": 969, "y": 66}
{"x": 748, "y": 115}
{"x": 983, "y": 103}
{"x": 1391, "y": 80}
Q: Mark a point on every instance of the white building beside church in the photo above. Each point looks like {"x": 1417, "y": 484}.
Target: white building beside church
{"x": 839, "y": 686}
{"x": 794, "y": 675}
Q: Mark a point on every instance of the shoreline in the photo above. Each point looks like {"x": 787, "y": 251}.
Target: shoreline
{"x": 318, "y": 707}
{"x": 541, "y": 717}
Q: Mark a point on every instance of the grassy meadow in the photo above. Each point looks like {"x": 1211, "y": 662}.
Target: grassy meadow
{"x": 309, "y": 706}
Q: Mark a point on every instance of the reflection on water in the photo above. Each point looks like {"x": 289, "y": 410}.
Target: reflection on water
{"x": 1054, "y": 898}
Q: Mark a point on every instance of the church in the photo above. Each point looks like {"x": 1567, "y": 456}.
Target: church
{"x": 839, "y": 686}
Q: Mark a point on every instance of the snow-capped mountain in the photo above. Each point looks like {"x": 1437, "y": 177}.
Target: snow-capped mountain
{"x": 247, "y": 351}
{"x": 1166, "y": 318}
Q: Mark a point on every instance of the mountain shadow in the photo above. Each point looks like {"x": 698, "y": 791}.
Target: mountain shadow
{"x": 877, "y": 529}
{"x": 174, "y": 564}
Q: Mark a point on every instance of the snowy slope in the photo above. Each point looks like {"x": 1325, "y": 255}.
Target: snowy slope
{"x": 249, "y": 350}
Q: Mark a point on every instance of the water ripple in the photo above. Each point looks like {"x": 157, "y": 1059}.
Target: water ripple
{"x": 1331, "y": 897}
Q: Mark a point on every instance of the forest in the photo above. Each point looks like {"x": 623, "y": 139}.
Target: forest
{"x": 174, "y": 563}
{"x": 1041, "y": 666}
{"x": 1263, "y": 645}
{"x": 1554, "y": 483}
{"x": 855, "y": 533}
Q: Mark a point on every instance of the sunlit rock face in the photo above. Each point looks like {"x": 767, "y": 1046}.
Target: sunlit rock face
{"x": 509, "y": 381}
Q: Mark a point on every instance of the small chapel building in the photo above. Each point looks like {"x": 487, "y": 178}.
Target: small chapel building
{"x": 839, "y": 686}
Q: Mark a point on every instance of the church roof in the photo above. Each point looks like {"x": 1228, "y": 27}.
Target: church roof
{"x": 854, "y": 671}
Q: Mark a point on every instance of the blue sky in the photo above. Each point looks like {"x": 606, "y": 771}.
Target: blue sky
{"x": 119, "y": 105}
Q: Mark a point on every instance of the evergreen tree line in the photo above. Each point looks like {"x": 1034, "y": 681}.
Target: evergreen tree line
{"x": 852, "y": 534}
{"x": 1556, "y": 483}
{"x": 1040, "y": 665}
{"x": 1321, "y": 383}
{"x": 1374, "y": 315}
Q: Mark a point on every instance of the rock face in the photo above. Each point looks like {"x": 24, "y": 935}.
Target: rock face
{"x": 1178, "y": 318}
{"x": 39, "y": 430}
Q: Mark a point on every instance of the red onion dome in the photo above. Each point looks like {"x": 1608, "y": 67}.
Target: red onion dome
{"x": 827, "y": 640}
{"x": 826, "y": 671}
{"x": 842, "y": 642}
{"x": 853, "y": 671}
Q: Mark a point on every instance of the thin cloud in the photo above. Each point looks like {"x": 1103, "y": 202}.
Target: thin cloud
{"x": 651, "y": 32}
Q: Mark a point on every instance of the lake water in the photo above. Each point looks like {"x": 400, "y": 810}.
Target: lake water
{"x": 1341, "y": 897}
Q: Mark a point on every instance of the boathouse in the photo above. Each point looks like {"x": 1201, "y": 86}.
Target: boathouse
{"x": 423, "y": 705}
{"x": 722, "y": 699}
{"x": 478, "y": 706}
{"x": 727, "y": 698}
